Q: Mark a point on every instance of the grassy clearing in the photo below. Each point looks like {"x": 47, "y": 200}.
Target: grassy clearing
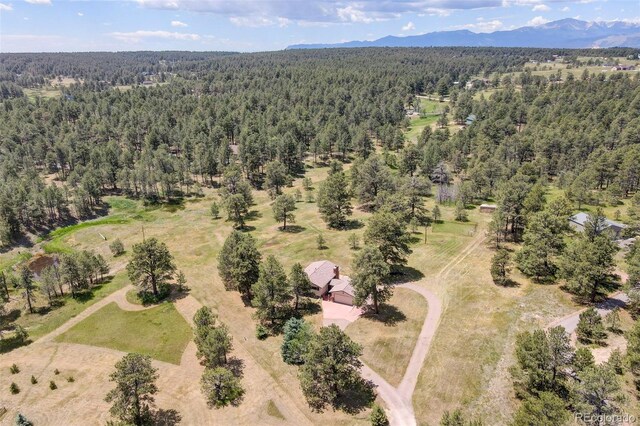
{"x": 554, "y": 192}
{"x": 389, "y": 340}
{"x": 40, "y": 324}
{"x": 159, "y": 332}
{"x": 46, "y": 92}
{"x": 418, "y": 124}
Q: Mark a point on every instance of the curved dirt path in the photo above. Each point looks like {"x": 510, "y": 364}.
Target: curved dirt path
{"x": 399, "y": 400}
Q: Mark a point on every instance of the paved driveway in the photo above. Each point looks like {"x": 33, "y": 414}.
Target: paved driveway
{"x": 339, "y": 314}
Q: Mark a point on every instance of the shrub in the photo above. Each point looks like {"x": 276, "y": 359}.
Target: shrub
{"x": 70, "y": 379}
{"x": 261, "y": 332}
{"x": 354, "y": 241}
{"x": 13, "y": 388}
{"x": 52, "y": 385}
{"x": 590, "y": 328}
{"x": 215, "y": 210}
{"x": 33, "y": 380}
{"x": 116, "y": 247}
{"x": 297, "y": 336}
{"x": 56, "y": 371}
{"x": 21, "y": 420}
{"x": 321, "y": 242}
{"x": 378, "y": 416}
{"x": 14, "y": 369}
{"x": 21, "y": 334}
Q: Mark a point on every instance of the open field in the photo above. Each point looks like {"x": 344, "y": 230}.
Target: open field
{"x": 478, "y": 325}
{"x": 159, "y": 332}
{"x": 389, "y": 339}
{"x": 47, "y": 92}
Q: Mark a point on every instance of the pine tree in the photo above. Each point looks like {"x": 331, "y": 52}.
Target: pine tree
{"x": 151, "y": 266}
{"x": 283, "y": 208}
{"x": 295, "y": 343}
{"x": 299, "y": 283}
{"x": 500, "y": 267}
{"x": 371, "y": 278}
{"x": 271, "y": 293}
{"x": 239, "y": 262}
{"x": 333, "y": 200}
{"x": 388, "y": 233}
{"x": 220, "y": 387}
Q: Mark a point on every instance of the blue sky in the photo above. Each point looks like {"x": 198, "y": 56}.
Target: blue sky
{"x": 257, "y": 25}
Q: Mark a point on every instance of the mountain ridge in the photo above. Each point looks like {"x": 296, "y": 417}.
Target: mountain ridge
{"x": 563, "y": 33}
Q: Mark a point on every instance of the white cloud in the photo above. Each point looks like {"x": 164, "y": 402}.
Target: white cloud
{"x": 541, "y": 8}
{"x": 178, "y": 24}
{"x": 409, "y": 27}
{"x": 565, "y": 9}
{"x": 251, "y": 21}
{"x": 538, "y": 20}
{"x": 38, "y": 1}
{"x": 482, "y": 26}
{"x": 80, "y": 14}
{"x": 137, "y": 36}
{"x": 5, "y": 7}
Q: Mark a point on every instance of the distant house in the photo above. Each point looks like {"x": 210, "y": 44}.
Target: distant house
{"x": 488, "y": 208}
{"x": 611, "y": 228}
{"x": 327, "y": 283}
{"x": 471, "y": 118}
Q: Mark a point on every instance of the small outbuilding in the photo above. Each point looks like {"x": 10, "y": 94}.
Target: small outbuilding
{"x": 488, "y": 208}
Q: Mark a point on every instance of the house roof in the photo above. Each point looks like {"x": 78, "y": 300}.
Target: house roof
{"x": 342, "y": 284}
{"x": 320, "y": 272}
{"x": 581, "y": 218}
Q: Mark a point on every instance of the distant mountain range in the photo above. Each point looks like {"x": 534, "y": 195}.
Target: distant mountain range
{"x": 565, "y": 33}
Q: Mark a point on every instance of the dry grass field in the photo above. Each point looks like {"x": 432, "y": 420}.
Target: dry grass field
{"x": 474, "y": 340}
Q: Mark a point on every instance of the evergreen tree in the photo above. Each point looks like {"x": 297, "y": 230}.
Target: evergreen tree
{"x": 239, "y": 262}
{"x": 501, "y": 267}
{"x": 271, "y": 293}
{"x": 378, "y": 417}
{"x": 212, "y": 338}
{"x": 283, "y": 208}
{"x": 295, "y": 343}
{"x": 545, "y": 409}
{"x": 151, "y": 266}
{"x": 386, "y": 232}
{"x": 220, "y": 387}
{"x": 371, "y": 278}
{"x": 132, "y": 399}
{"x": 331, "y": 369}
{"x": 28, "y": 287}
{"x": 333, "y": 200}
{"x": 590, "y": 328}
{"x": 299, "y": 283}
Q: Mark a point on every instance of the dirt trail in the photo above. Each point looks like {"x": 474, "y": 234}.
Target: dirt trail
{"x": 399, "y": 400}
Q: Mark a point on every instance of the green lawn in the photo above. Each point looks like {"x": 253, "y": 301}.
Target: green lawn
{"x": 159, "y": 332}
{"x": 40, "y": 324}
{"x": 417, "y": 125}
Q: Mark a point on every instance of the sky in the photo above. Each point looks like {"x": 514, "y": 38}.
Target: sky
{"x": 260, "y": 25}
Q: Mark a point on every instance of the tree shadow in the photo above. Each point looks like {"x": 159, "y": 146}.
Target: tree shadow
{"x": 508, "y": 282}
{"x": 253, "y": 215}
{"x": 352, "y": 224}
{"x": 358, "y": 397}
{"x": 292, "y": 229}
{"x": 405, "y": 274}
{"x": 8, "y": 344}
{"x": 307, "y": 307}
{"x": 389, "y": 315}
{"x": 162, "y": 417}
{"x": 236, "y": 366}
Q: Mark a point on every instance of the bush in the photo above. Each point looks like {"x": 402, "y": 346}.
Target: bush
{"x": 116, "y": 247}
{"x": 13, "y": 388}
{"x": 297, "y": 336}
{"x": 590, "y": 328}
{"x": 215, "y": 210}
{"x": 261, "y": 332}
{"x": 14, "y": 369}
{"x": 33, "y": 380}
{"x": 21, "y": 334}
{"x": 321, "y": 242}
{"x": 70, "y": 379}
{"x": 52, "y": 385}
{"x": 378, "y": 416}
{"x": 22, "y": 421}
{"x": 56, "y": 371}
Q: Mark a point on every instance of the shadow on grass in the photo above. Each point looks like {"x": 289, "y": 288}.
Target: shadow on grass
{"x": 357, "y": 398}
{"x": 352, "y": 224}
{"x": 292, "y": 229}
{"x": 508, "y": 283}
{"x": 10, "y": 343}
{"x": 236, "y": 366}
{"x": 162, "y": 417}
{"x": 405, "y": 274}
{"x": 389, "y": 315}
